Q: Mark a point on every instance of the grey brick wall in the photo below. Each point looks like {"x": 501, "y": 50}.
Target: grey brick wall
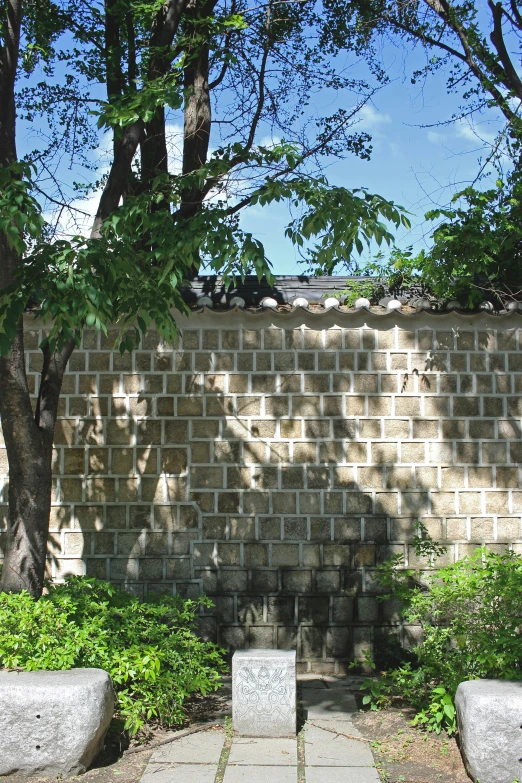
{"x": 271, "y": 461}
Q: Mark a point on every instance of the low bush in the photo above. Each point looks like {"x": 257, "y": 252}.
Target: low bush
{"x": 148, "y": 647}
{"x": 471, "y": 624}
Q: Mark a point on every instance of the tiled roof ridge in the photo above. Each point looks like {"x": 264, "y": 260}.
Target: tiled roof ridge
{"x": 317, "y": 294}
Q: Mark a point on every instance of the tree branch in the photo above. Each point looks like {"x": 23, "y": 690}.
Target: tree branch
{"x": 444, "y": 11}
{"x": 497, "y": 39}
{"x": 51, "y": 384}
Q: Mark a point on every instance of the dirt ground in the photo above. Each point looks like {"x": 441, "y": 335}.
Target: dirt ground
{"x": 403, "y": 754}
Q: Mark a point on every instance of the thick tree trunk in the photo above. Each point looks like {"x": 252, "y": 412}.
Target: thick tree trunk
{"x": 29, "y": 451}
{"x": 29, "y": 444}
{"x": 197, "y": 123}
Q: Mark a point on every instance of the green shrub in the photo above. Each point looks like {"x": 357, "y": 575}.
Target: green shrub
{"x": 471, "y": 629}
{"x": 149, "y": 649}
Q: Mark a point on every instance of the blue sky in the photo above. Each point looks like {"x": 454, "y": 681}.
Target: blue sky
{"x": 414, "y": 166}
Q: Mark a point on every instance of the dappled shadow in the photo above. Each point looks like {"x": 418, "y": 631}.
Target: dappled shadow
{"x": 273, "y": 470}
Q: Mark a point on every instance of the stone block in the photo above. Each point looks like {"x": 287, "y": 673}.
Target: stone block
{"x": 53, "y": 722}
{"x": 488, "y": 715}
{"x": 264, "y": 693}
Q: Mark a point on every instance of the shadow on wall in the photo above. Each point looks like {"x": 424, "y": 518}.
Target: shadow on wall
{"x": 273, "y": 470}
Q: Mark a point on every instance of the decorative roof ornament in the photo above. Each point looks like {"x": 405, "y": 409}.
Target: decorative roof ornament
{"x": 331, "y": 302}
{"x": 361, "y": 302}
{"x": 268, "y": 301}
{"x": 393, "y": 304}
{"x": 205, "y": 301}
{"x": 237, "y": 301}
{"x": 300, "y": 301}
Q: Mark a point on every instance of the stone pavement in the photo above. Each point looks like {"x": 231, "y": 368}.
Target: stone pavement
{"x": 328, "y": 748}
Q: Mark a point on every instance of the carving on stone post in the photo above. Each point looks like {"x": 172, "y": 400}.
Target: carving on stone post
{"x": 264, "y": 693}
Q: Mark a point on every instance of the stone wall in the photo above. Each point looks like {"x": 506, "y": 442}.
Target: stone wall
{"x": 271, "y": 460}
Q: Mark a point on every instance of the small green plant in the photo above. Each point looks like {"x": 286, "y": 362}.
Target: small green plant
{"x": 469, "y": 613}
{"x": 149, "y": 648}
{"x": 397, "y": 274}
{"x": 440, "y": 714}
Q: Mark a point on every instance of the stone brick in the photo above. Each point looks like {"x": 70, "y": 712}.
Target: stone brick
{"x": 294, "y": 528}
{"x": 407, "y": 406}
{"x": 265, "y": 581}
{"x": 370, "y": 428}
{"x": 436, "y": 406}
{"x": 312, "y": 642}
{"x": 397, "y": 429}
{"x": 452, "y": 477}
{"x": 480, "y": 477}
{"x": 508, "y": 528}
{"x": 469, "y": 502}
{"x": 466, "y": 406}
{"x": 292, "y": 478}
{"x": 255, "y": 555}
{"x": 297, "y": 581}
{"x": 207, "y": 477}
{"x": 384, "y": 453}
{"x": 337, "y": 555}
{"x": 344, "y": 477}
{"x": 292, "y": 428}
{"x": 443, "y": 502}
{"x": 305, "y": 406}
{"x": 481, "y": 528}
{"x": 507, "y": 477}
{"x": 496, "y": 502}
{"x": 278, "y": 406}
{"x": 320, "y": 528}
{"x": 372, "y": 477}
{"x": 285, "y": 555}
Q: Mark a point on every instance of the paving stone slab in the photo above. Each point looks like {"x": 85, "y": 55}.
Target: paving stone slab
{"x": 345, "y": 725}
{"x": 314, "y": 684}
{"x": 326, "y": 749}
{"x": 341, "y": 775}
{"x": 253, "y": 774}
{"x": 203, "y": 747}
{"x": 329, "y": 704}
{"x": 264, "y": 751}
{"x": 179, "y": 773}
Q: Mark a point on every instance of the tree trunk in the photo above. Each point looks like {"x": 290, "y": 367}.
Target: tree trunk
{"x": 29, "y": 443}
{"x": 29, "y": 451}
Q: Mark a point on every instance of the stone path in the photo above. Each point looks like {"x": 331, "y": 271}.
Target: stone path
{"x": 328, "y": 749}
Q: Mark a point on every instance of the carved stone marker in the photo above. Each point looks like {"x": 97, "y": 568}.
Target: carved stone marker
{"x": 263, "y": 693}
{"x": 53, "y": 722}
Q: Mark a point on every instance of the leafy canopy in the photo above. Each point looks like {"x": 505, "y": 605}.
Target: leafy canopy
{"x": 167, "y": 224}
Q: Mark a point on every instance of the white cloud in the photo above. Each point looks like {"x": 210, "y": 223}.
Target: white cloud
{"x": 371, "y": 119}
{"x": 436, "y": 138}
{"x": 270, "y": 141}
{"x": 475, "y": 133}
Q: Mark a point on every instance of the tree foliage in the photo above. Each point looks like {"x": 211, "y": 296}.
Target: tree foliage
{"x": 478, "y": 46}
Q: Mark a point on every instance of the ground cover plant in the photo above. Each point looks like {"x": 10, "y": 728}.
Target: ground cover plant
{"x": 469, "y": 613}
{"x": 149, "y": 648}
